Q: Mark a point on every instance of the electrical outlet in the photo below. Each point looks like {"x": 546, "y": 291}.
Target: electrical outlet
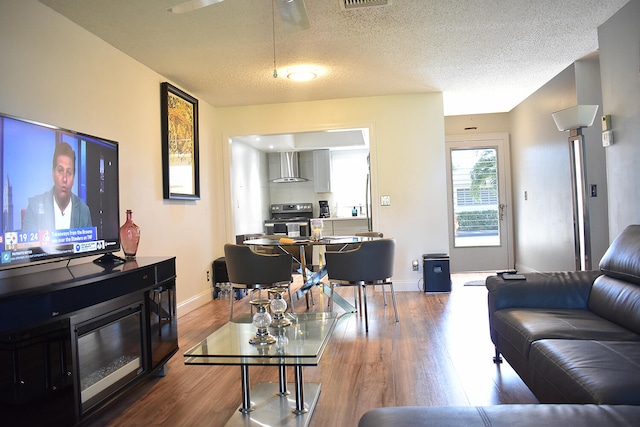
{"x": 208, "y": 276}
{"x": 415, "y": 265}
{"x": 385, "y": 200}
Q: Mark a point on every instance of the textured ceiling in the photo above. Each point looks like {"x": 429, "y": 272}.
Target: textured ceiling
{"x": 485, "y": 56}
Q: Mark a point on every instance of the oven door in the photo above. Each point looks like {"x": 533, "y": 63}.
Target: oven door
{"x": 298, "y": 229}
{"x": 275, "y": 228}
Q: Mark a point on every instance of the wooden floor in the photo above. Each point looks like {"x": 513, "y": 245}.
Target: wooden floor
{"x": 438, "y": 354}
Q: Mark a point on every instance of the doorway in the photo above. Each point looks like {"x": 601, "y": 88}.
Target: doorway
{"x": 479, "y": 203}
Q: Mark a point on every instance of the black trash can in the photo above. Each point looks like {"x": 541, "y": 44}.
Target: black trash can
{"x": 436, "y": 274}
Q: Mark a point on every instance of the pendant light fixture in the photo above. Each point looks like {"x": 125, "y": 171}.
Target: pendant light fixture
{"x": 273, "y": 29}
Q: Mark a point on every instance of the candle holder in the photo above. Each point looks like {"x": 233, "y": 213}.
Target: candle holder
{"x": 261, "y": 320}
{"x": 278, "y": 306}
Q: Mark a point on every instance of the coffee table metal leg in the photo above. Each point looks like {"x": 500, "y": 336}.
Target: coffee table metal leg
{"x": 283, "y": 382}
{"x": 300, "y": 408}
{"x": 246, "y": 394}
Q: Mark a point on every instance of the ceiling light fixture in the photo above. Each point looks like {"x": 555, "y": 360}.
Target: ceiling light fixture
{"x": 302, "y": 74}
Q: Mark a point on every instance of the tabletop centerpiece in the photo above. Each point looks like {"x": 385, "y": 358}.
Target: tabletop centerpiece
{"x": 262, "y": 321}
{"x": 278, "y": 306}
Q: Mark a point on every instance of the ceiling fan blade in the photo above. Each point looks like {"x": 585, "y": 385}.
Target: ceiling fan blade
{"x": 293, "y": 14}
{"x": 192, "y": 5}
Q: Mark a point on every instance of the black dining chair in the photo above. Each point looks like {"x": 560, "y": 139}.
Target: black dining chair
{"x": 380, "y": 235}
{"x": 369, "y": 264}
{"x": 255, "y": 271}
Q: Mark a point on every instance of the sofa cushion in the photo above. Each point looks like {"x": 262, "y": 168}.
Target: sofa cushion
{"x": 522, "y": 326}
{"x": 587, "y": 371}
{"x": 621, "y": 260}
{"x": 501, "y": 415}
{"x": 616, "y": 300}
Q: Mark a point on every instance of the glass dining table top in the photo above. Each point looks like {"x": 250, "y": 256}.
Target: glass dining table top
{"x": 284, "y": 240}
{"x": 299, "y": 344}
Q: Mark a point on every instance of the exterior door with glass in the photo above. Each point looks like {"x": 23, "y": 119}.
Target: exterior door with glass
{"x": 479, "y": 189}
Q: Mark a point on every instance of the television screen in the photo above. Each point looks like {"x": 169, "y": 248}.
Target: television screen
{"x": 60, "y": 195}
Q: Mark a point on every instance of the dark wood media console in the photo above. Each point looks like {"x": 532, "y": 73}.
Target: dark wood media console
{"x": 73, "y": 339}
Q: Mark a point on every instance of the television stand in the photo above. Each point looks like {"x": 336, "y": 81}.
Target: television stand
{"x": 73, "y": 339}
{"x": 109, "y": 259}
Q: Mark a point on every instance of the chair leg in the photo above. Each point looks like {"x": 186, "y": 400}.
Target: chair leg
{"x": 384, "y": 295}
{"x": 331, "y": 297}
{"x": 290, "y": 298}
{"x": 366, "y": 314}
{"x": 231, "y": 308}
{"x": 393, "y": 297}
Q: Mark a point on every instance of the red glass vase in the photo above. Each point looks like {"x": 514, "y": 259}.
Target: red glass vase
{"x": 129, "y": 236}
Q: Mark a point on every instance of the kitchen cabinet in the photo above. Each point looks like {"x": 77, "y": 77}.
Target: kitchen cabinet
{"x": 322, "y": 171}
{"x": 344, "y": 226}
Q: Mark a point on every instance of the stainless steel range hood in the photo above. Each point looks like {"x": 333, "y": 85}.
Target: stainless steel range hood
{"x": 289, "y": 167}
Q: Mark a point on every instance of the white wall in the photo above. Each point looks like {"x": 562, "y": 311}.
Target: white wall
{"x": 54, "y": 72}
{"x": 541, "y": 167}
{"x": 407, "y": 161}
{"x": 619, "y": 40}
{"x": 477, "y": 123}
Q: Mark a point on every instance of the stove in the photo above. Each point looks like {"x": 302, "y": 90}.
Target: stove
{"x": 290, "y": 219}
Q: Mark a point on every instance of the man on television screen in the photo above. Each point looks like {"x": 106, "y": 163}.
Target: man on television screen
{"x": 58, "y": 208}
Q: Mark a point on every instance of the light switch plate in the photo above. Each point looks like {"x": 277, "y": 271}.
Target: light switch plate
{"x": 385, "y": 200}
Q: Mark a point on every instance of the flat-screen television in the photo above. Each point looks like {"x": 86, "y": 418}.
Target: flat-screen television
{"x": 60, "y": 194}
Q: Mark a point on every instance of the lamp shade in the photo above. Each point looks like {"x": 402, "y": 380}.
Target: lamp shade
{"x": 575, "y": 117}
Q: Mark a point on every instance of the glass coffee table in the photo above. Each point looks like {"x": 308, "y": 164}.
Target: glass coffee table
{"x": 299, "y": 344}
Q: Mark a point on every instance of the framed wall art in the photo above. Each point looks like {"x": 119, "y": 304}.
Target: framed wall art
{"x": 180, "y": 151}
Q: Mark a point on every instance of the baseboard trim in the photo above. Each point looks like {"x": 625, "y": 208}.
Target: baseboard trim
{"x": 194, "y": 302}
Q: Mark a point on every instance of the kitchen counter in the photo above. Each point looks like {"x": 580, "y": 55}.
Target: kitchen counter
{"x": 343, "y": 218}
{"x": 344, "y": 226}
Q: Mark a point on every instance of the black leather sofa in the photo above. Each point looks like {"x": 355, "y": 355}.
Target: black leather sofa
{"x": 503, "y": 416}
{"x": 574, "y": 337}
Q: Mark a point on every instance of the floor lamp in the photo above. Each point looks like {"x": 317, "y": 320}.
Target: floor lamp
{"x": 574, "y": 119}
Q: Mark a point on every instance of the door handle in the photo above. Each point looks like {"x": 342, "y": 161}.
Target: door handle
{"x": 501, "y": 206}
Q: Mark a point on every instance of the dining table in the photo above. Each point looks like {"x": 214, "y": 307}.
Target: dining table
{"x": 312, "y": 277}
